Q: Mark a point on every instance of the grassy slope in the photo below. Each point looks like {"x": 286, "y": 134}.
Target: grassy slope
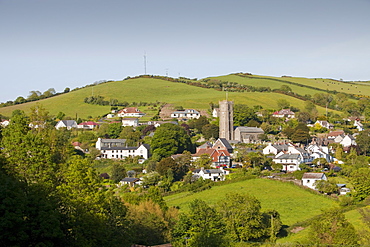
{"x": 293, "y": 203}
{"x": 147, "y": 90}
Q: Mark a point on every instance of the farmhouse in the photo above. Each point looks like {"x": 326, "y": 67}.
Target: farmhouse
{"x": 309, "y": 179}
{"x": 275, "y": 148}
{"x": 130, "y": 122}
{"x": 117, "y": 149}
{"x": 187, "y": 114}
{"x": 130, "y": 112}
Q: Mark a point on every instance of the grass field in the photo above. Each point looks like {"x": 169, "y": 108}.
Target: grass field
{"x": 152, "y": 90}
{"x": 292, "y": 202}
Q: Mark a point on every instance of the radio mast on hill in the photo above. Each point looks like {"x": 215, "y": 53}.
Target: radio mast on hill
{"x": 144, "y": 63}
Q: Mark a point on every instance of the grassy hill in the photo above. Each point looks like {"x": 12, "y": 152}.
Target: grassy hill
{"x": 161, "y": 90}
{"x": 293, "y": 203}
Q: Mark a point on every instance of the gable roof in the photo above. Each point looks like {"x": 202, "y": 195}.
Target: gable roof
{"x": 68, "y": 122}
{"x": 225, "y": 143}
{"x": 313, "y": 175}
{"x": 288, "y": 156}
{"x": 130, "y": 110}
{"x": 130, "y": 180}
{"x": 249, "y": 129}
{"x": 89, "y": 123}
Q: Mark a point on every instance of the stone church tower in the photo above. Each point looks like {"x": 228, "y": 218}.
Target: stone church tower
{"x": 226, "y": 120}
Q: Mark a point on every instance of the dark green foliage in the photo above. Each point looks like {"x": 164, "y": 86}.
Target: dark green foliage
{"x": 170, "y": 139}
{"x": 114, "y": 130}
{"x": 243, "y": 114}
{"x": 28, "y": 215}
{"x": 202, "y": 226}
{"x": 199, "y": 123}
{"x": 360, "y": 179}
{"x": 118, "y": 172}
{"x": 177, "y": 169}
{"x": 210, "y": 131}
{"x": 332, "y": 228}
{"x": 363, "y": 141}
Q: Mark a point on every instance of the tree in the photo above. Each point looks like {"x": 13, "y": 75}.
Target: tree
{"x": 199, "y": 123}
{"x": 20, "y": 100}
{"x": 327, "y": 187}
{"x": 114, "y": 130}
{"x": 66, "y": 90}
{"x": 202, "y": 226}
{"x": 118, "y": 172}
{"x": 177, "y": 169}
{"x": 332, "y": 228}
{"x": 360, "y": 179}
{"x": 283, "y": 104}
{"x": 210, "y": 131}
{"x": 242, "y": 216}
{"x": 132, "y": 137}
{"x": 243, "y": 114}
{"x": 170, "y": 139}
{"x": 363, "y": 141}
{"x": 150, "y": 224}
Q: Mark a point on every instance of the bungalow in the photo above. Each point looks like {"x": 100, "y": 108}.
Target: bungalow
{"x": 187, "y": 114}
{"x": 130, "y": 112}
{"x": 130, "y": 181}
{"x": 287, "y": 113}
{"x": 68, "y": 124}
{"x": 309, "y": 179}
{"x": 88, "y": 125}
{"x": 212, "y": 174}
{"x": 130, "y": 122}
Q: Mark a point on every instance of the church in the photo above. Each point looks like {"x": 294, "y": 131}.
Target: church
{"x": 237, "y": 134}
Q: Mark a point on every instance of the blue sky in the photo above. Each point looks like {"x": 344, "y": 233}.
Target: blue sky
{"x": 58, "y": 44}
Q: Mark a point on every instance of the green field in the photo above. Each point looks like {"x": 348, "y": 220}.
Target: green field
{"x": 292, "y": 202}
{"x": 152, "y": 90}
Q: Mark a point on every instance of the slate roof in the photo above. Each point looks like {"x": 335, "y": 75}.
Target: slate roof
{"x": 130, "y": 180}
{"x": 226, "y": 143}
{"x": 312, "y": 175}
{"x": 288, "y": 156}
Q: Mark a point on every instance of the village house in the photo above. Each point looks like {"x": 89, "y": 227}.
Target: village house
{"x": 318, "y": 151}
{"x": 309, "y": 179}
{"x": 287, "y": 113}
{"x": 212, "y": 174}
{"x": 5, "y": 123}
{"x": 130, "y": 112}
{"x": 358, "y": 125}
{"x": 88, "y": 125}
{"x": 333, "y": 134}
{"x": 68, "y": 124}
{"x": 292, "y": 158}
{"x": 186, "y": 114}
{"x": 134, "y": 122}
{"x": 324, "y": 124}
{"x": 275, "y": 148}
{"x": 131, "y": 182}
{"x": 219, "y": 152}
{"x": 117, "y": 149}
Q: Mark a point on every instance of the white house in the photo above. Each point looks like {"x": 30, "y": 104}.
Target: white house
{"x": 187, "y": 114}
{"x": 117, "y": 149}
{"x": 130, "y": 122}
{"x": 290, "y": 162}
{"x": 87, "y": 125}
{"x": 309, "y": 179}
{"x": 212, "y": 174}
{"x": 275, "y": 148}
{"x": 5, "y": 123}
{"x": 130, "y": 112}
{"x": 324, "y": 124}
{"x": 130, "y": 181}
{"x": 69, "y": 124}
{"x": 317, "y": 151}
{"x": 287, "y": 113}
{"x": 216, "y": 112}
{"x": 358, "y": 125}
{"x": 348, "y": 140}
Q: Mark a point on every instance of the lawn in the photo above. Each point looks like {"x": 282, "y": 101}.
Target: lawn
{"x": 292, "y": 202}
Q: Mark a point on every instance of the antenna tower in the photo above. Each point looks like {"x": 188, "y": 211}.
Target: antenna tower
{"x": 144, "y": 63}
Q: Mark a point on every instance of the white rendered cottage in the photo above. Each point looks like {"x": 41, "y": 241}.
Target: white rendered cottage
{"x": 68, "y": 124}
{"x": 117, "y": 149}
{"x": 212, "y": 174}
{"x": 309, "y": 179}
